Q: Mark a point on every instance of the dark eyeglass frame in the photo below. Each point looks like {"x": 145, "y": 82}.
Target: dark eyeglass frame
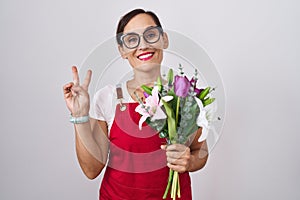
{"x": 160, "y": 31}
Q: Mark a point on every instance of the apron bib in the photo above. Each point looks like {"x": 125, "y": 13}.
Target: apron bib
{"x": 137, "y": 166}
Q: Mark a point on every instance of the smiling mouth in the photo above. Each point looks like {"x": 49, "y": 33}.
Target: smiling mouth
{"x": 145, "y": 56}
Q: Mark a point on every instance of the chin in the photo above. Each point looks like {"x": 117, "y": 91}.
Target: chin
{"x": 147, "y": 66}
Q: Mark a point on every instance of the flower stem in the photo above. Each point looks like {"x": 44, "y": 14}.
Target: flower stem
{"x": 178, "y": 190}
{"x": 174, "y": 185}
{"x": 171, "y": 172}
{"x": 177, "y": 110}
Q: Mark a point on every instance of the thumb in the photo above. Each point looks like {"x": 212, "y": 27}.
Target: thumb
{"x": 163, "y": 147}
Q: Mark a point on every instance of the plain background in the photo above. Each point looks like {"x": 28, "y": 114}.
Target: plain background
{"x": 254, "y": 44}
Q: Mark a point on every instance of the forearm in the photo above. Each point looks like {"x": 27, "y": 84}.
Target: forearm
{"x": 91, "y": 154}
{"x": 198, "y": 160}
{"x": 199, "y": 153}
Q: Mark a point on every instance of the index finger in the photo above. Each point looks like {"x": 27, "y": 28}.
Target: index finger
{"x": 75, "y": 76}
{"x": 176, "y": 147}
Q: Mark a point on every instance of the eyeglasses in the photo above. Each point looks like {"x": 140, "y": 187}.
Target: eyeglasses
{"x": 151, "y": 35}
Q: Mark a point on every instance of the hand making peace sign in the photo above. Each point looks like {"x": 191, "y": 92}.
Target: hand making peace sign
{"x": 76, "y": 96}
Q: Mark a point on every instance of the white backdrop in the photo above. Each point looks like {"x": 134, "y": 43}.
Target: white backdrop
{"x": 254, "y": 44}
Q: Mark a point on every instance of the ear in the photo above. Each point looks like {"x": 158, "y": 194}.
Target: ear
{"x": 122, "y": 52}
{"x": 165, "y": 40}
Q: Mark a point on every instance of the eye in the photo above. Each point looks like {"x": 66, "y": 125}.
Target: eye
{"x": 151, "y": 34}
{"x": 131, "y": 39}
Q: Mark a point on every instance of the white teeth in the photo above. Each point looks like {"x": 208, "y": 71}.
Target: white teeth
{"x": 145, "y": 56}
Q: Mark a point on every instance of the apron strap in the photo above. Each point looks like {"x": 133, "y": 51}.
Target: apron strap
{"x": 120, "y": 97}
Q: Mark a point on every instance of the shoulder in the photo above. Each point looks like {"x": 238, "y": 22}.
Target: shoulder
{"x": 107, "y": 90}
{"x": 103, "y": 103}
{"x": 104, "y": 96}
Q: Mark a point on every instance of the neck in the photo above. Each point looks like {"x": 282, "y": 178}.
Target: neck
{"x": 139, "y": 79}
{"x": 144, "y": 77}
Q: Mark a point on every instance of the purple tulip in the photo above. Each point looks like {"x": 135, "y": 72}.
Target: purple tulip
{"x": 193, "y": 81}
{"x": 197, "y": 91}
{"x": 181, "y": 86}
{"x": 146, "y": 94}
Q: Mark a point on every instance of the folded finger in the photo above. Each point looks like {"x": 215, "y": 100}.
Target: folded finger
{"x": 174, "y": 161}
{"x": 173, "y": 155}
{"x": 177, "y": 147}
{"x": 68, "y": 95}
{"x": 67, "y": 88}
{"x": 177, "y": 168}
{"x": 178, "y": 154}
{"x": 179, "y": 162}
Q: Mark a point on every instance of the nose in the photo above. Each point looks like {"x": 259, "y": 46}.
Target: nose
{"x": 143, "y": 44}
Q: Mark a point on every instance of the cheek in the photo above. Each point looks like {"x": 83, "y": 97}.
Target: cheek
{"x": 132, "y": 60}
{"x": 127, "y": 53}
{"x": 159, "y": 55}
{"x": 159, "y": 45}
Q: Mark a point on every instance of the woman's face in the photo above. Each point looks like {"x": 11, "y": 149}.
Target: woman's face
{"x": 145, "y": 53}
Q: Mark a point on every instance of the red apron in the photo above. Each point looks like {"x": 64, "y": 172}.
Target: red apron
{"x": 137, "y": 166}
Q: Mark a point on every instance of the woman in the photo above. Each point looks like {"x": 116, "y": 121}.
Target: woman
{"x": 129, "y": 175}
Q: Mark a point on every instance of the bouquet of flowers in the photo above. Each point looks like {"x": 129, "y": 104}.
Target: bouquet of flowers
{"x": 176, "y": 110}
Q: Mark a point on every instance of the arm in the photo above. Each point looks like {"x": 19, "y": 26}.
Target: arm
{"x": 91, "y": 136}
{"x": 199, "y": 154}
{"x": 91, "y": 146}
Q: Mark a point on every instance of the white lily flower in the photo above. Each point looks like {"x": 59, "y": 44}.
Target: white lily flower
{"x": 167, "y": 98}
{"x": 151, "y": 108}
{"x": 202, "y": 120}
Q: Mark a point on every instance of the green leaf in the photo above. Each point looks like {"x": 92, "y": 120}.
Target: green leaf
{"x": 157, "y": 125}
{"x": 171, "y": 121}
{"x": 188, "y": 122}
{"x": 204, "y": 93}
{"x": 163, "y": 134}
{"x": 170, "y": 77}
{"x": 159, "y": 84}
{"x": 147, "y": 89}
{"x": 173, "y": 102}
{"x": 208, "y": 101}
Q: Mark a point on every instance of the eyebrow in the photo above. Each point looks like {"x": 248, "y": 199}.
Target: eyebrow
{"x": 139, "y": 29}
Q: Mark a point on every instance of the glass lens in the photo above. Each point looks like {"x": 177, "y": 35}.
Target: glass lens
{"x": 152, "y": 35}
{"x": 131, "y": 40}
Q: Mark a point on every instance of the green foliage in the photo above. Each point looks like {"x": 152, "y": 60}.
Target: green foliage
{"x": 171, "y": 121}
{"x": 204, "y": 93}
{"x": 147, "y": 89}
{"x": 170, "y": 77}
{"x": 189, "y": 112}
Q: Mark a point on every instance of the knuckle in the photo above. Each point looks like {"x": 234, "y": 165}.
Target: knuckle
{"x": 188, "y": 156}
{"x": 181, "y": 169}
{"x": 188, "y": 149}
{"x": 169, "y": 160}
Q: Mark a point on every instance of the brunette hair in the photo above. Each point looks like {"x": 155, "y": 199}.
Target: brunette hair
{"x": 127, "y": 17}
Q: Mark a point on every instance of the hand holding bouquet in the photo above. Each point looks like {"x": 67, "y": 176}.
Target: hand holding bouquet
{"x": 176, "y": 110}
